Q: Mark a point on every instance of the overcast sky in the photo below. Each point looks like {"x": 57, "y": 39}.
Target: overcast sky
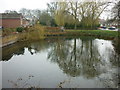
{"x": 29, "y": 4}
{"x": 18, "y": 4}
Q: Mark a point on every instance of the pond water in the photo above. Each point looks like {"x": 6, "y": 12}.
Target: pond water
{"x": 83, "y": 62}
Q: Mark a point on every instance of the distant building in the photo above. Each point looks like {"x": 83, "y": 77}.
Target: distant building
{"x": 112, "y": 23}
{"x": 12, "y": 20}
{"x": 108, "y": 23}
{"x": 25, "y": 22}
{"x": 102, "y": 22}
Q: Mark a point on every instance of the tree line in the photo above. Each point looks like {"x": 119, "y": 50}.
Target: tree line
{"x": 68, "y": 14}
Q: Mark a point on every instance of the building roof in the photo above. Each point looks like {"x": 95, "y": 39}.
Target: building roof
{"x": 10, "y": 15}
{"x": 26, "y": 19}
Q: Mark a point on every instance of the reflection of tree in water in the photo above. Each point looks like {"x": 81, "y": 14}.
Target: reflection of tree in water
{"x": 60, "y": 53}
{"x": 19, "y": 48}
{"x": 76, "y": 57}
{"x": 15, "y": 49}
{"x": 116, "y": 62}
{"x": 82, "y": 57}
{"x": 116, "y": 44}
{"x": 20, "y": 51}
{"x": 89, "y": 58}
{"x": 109, "y": 65}
{"x": 38, "y": 46}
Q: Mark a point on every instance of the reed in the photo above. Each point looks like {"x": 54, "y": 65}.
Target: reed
{"x": 33, "y": 33}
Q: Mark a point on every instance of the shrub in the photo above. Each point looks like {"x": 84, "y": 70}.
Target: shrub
{"x": 19, "y": 29}
{"x": 35, "y": 33}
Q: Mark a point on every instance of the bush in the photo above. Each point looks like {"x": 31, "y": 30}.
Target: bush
{"x": 19, "y": 29}
{"x": 36, "y": 32}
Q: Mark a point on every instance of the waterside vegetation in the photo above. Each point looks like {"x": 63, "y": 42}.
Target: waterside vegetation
{"x": 39, "y": 32}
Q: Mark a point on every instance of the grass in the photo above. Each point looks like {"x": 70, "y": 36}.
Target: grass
{"x": 9, "y": 39}
{"x": 8, "y": 31}
{"x": 37, "y": 32}
{"x": 94, "y": 33}
{"x": 97, "y": 33}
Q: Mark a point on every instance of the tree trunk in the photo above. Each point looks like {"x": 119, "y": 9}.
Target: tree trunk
{"x": 119, "y": 17}
{"x": 91, "y": 50}
{"x": 75, "y": 49}
{"x": 75, "y": 27}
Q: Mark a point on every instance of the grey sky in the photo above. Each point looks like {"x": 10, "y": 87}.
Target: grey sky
{"x": 18, "y": 4}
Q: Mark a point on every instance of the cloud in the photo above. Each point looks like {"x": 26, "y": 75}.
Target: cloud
{"x": 18, "y": 4}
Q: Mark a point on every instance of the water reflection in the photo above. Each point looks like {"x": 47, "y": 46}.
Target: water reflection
{"x": 19, "y": 49}
{"x": 76, "y": 57}
{"x": 87, "y": 57}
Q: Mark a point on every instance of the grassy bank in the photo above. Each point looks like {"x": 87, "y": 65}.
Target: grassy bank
{"x": 94, "y": 33}
{"x": 9, "y": 40}
{"x": 98, "y": 33}
{"x": 31, "y": 34}
{"x": 37, "y": 33}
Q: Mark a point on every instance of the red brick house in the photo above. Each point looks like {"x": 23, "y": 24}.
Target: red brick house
{"x": 12, "y": 20}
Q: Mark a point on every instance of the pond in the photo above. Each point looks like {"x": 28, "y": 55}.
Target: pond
{"x": 83, "y": 62}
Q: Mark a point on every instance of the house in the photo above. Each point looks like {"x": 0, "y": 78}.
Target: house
{"x": 25, "y": 22}
{"x": 109, "y": 22}
{"x": 102, "y": 22}
{"x": 112, "y": 23}
{"x": 12, "y": 20}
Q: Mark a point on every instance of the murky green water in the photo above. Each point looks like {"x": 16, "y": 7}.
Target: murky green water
{"x": 83, "y": 62}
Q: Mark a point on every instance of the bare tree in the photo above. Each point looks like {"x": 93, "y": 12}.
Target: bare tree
{"x": 10, "y": 11}
{"x": 74, "y": 10}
